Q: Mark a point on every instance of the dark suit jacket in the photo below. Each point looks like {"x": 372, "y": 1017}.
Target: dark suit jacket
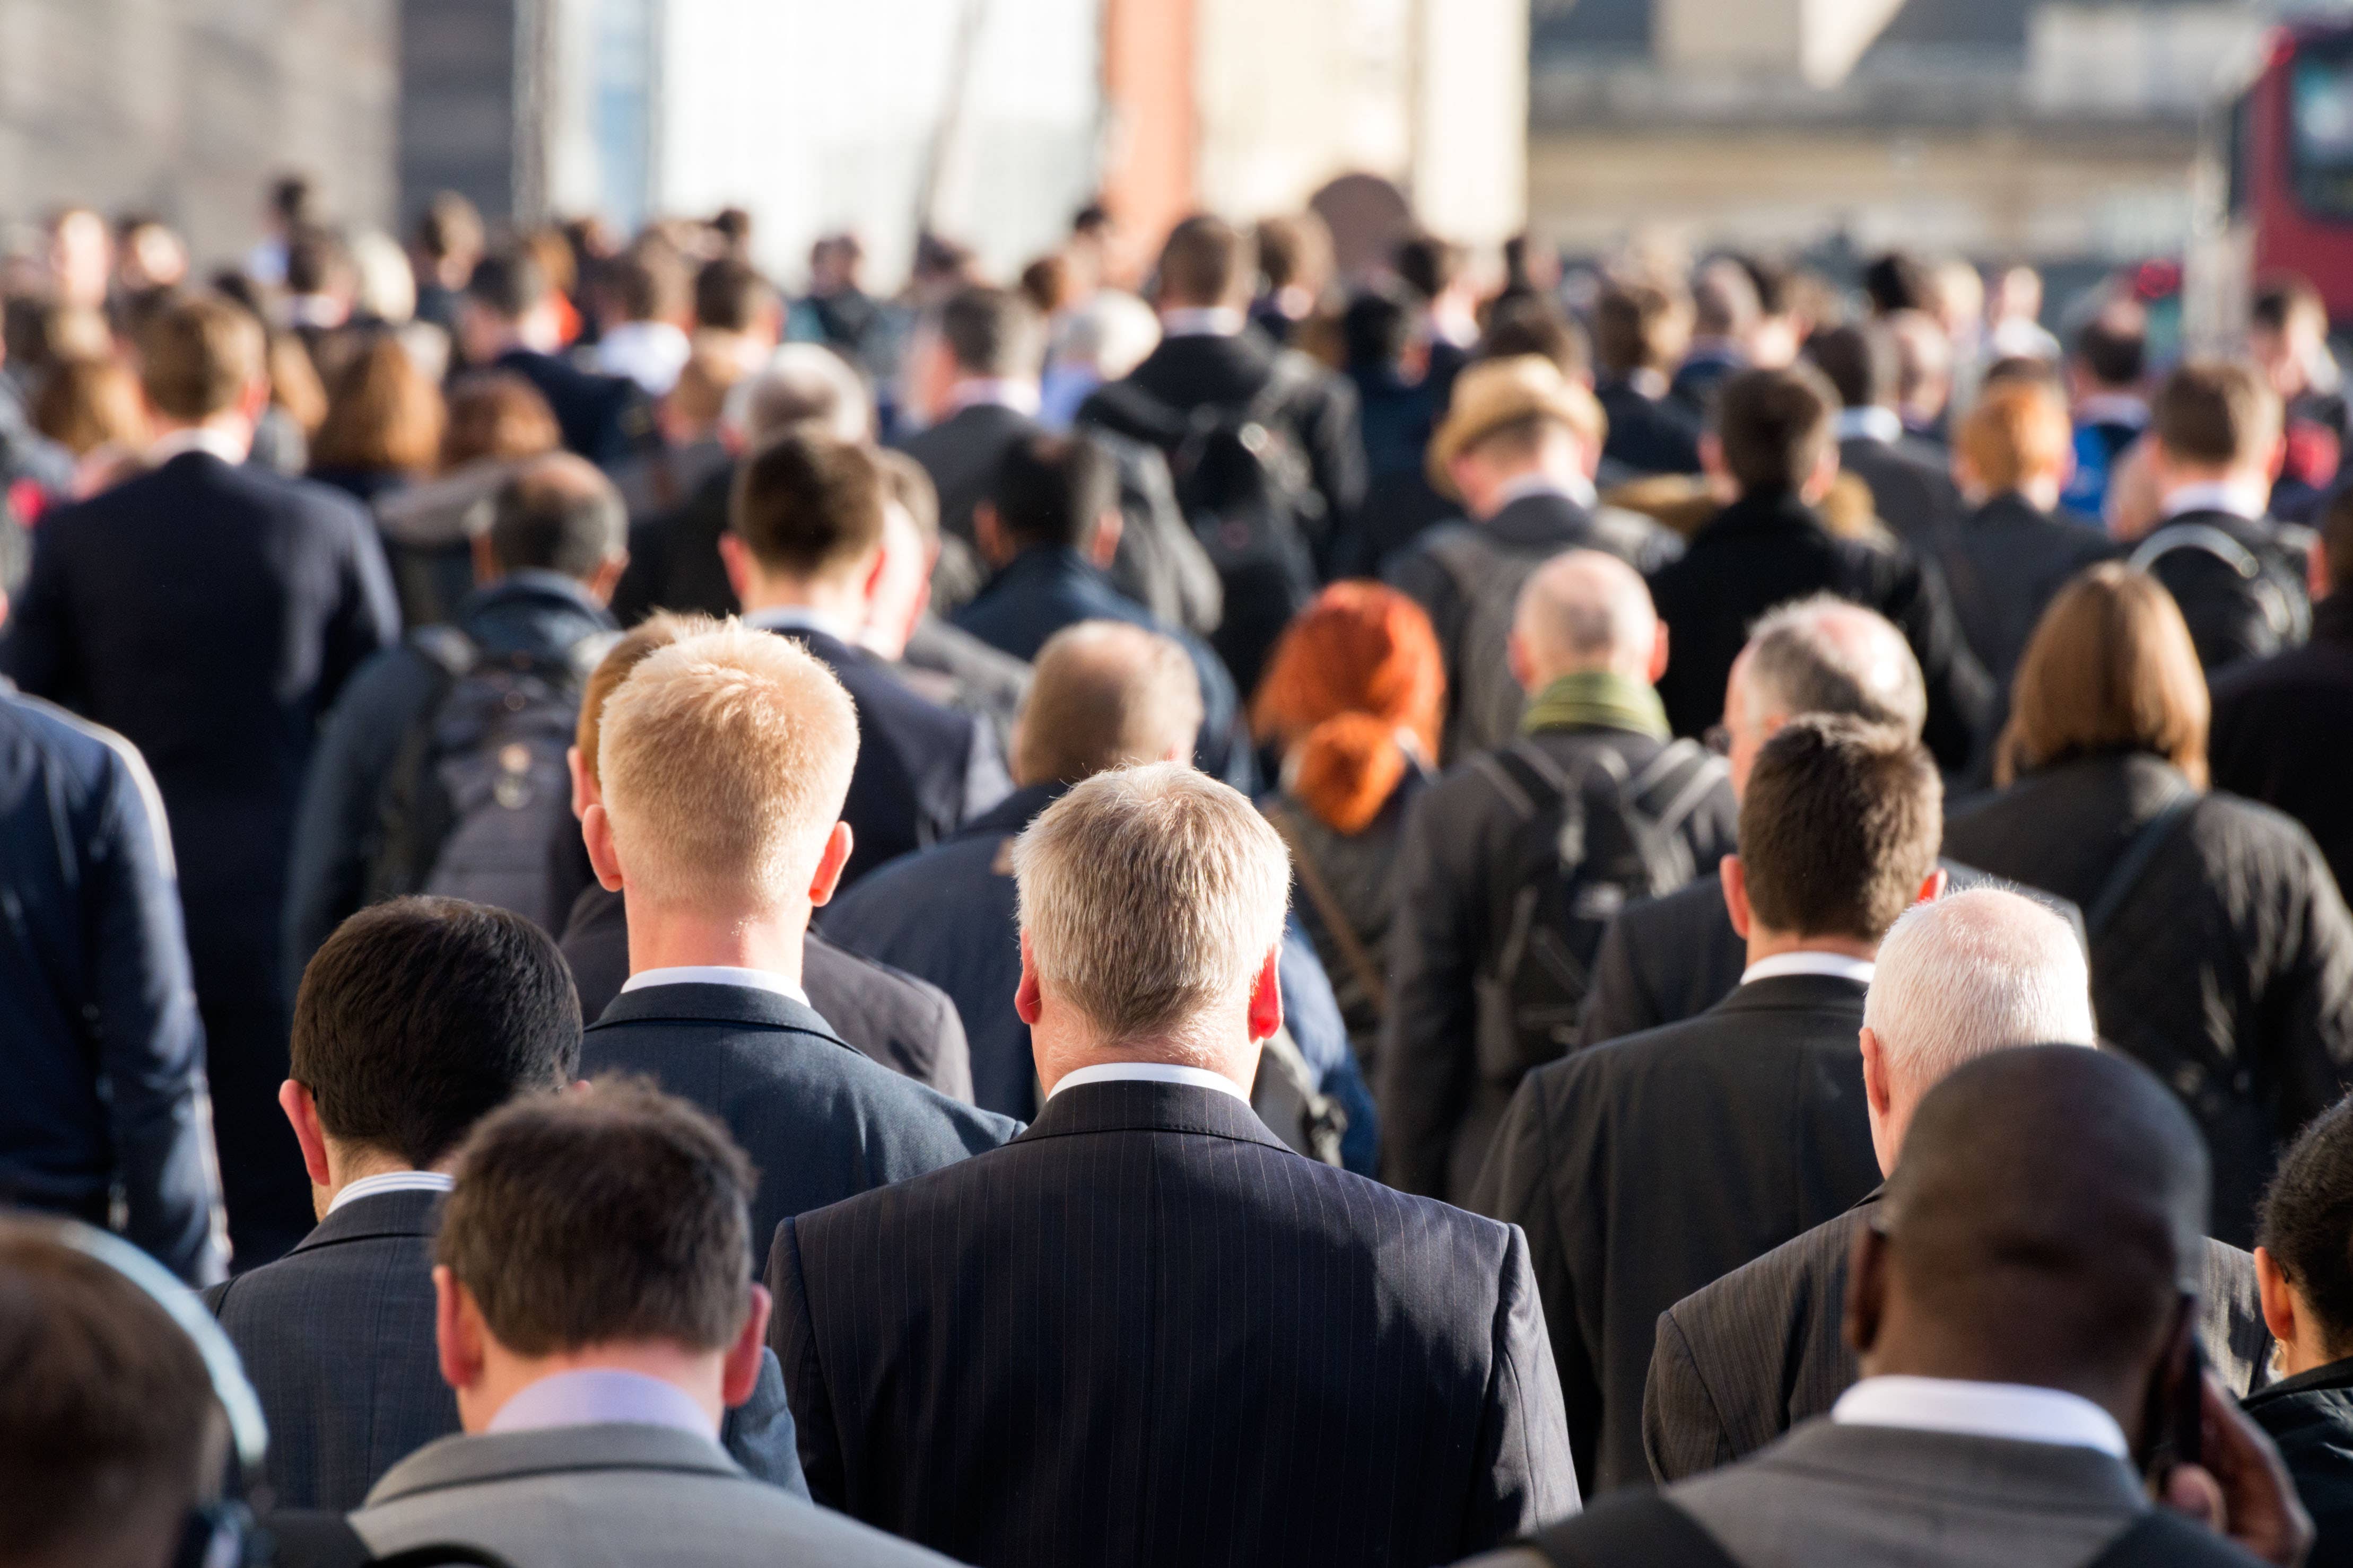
{"x": 603, "y": 417}
{"x": 1911, "y": 485}
{"x": 821, "y": 1122}
{"x": 2005, "y": 562}
{"x": 1648, "y": 1167}
{"x": 961, "y": 453}
{"x": 210, "y": 615}
{"x": 674, "y": 557}
{"x": 1745, "y": 1359}
{"x": 1648, "y": 435}
{"x": 1146, "y": 1332}
{"x": 2283, "y": 733}
{"x": 1766, "y": 551}
{"x": 337, "y": 1338}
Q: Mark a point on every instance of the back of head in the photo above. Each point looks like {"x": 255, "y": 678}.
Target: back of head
{"x": 724, "y": 760}
{"x": 316, "y": 261}
{"x": 1531, "y": 324}
{"x": 2306, "y": 1223}
{"x": 1428, "y": 264}
{"x": 2110, "y": 669}
{"x": 2215, "y": 412}
{"x": 2046, "y": 1217}
{"x": 730, "y": 296}
{"x": 1972, "y": 972}
{"x": 1776, "y": 428}
{"x": 1838, "y": 827}
{"x": 992, "y": 332}
{"x": 1207, "y": 261}
{"x": 1859, "y": 360}
{"x": 2017, "y": 432}
{"x": 1825, "y": 655}
{"x": 1724, "y": 300}
{"x": 1358, "y": 669}
{"x": 418, "y": 1017}
{"x": 109, "y": 1430}
{"x": 1052, "y": 490}
{"x": 450, "y": 228}
{"x": 509, "y": 284}
{"x": 1639, "y": 326}
{"x": 809, "y": 508}
{"x": 86, "y": 403}
{"x": 1924, "y": 356}
{"x": 1105, "y": 695}
{"x": 199, "y": 356}
{"x": 382, "y": 414}
{"x": 294, "y": 199}
{"x": 2113, "y": 348}
{"x": 1295, "y": 250}
{"x": 632, "y": 648}
{"x": 1584, "y": 609}
{"x": 805, "y": 389}
{"x": 1150, "y": 898}
{"x": 558, "y": 513}
{"x": 616, "y": 1217}
{"x": 1377, "y": 328}
{"x": 497, "y": 413}
{"x": 649, "y": 282}
{"x": 1895, "y": 281}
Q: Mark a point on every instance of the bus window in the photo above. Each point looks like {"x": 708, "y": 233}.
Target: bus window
{"x": 2320, "y": 100}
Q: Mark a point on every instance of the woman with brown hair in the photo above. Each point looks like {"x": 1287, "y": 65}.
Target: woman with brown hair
{"x": 2221, "y": 952}
{"x": 495, "y": 421}
{"x": 1350, "y": 707}
{"x": 92, "y": 408}
{"x": 383, "y": 428}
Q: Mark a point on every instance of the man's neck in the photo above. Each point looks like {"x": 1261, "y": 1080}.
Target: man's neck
{"x": 2240, "y": 491}
{"x": 1014, "y": 392}
{"x": 662, "y": 937}
{"x": 350, "y": 1162}
{"x": 225, "y": 433}
{"x": 1554, "y": 474}
{"x": 840, "y": 603}
{"x": 699, "y": 1374}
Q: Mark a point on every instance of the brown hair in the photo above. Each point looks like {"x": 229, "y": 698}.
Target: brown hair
{"x": 649, "y": 637}
{"x": 2017, "y": 431}
{"x": 1639, "y": 326}
{"x": 1775, "y": 428}
{"x": 2215, "y": 411}
{"x": 382, "y": 414}
{"x": 619, "y": 1215}
{"x": 809, "y": 506}
{"x": 1838, "y": 827}
{"x": 2110, "y": 669}
{"x": 700, "y": 394}
{"x": 1105, "y": 695}
{"x": 1207, "y": 261}
{"x": 87, "y": 404}
{"x": 1359, "y": 664}
{"x": 199, "y": 355}
{"x": 496, "y": 414}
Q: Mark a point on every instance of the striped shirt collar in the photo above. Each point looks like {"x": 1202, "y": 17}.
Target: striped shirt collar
{"x": 1148, "y": 1072}
{"x": 391, "y": 1182}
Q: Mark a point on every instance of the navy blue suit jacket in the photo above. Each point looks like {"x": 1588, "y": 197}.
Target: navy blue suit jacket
{"x": 1146, "y": 1332}
{"x": 822, "y": 1122}
{"x": 601, "y": 415}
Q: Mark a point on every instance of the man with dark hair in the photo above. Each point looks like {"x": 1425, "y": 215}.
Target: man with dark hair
{"x": 1639, "y": 334}
{"x": 1896, "y": 280}
{"x": 1437, "y": 271}
{"x": 1050, "y": 528}
{"x": 2107, "y": 395}
{"x": 805, "y": 555}
{"x": 1647, "y": 1167}
{"x": 2239, "y": 576}
{"x": 1773, "y": 443}
{"x": 592, "y": 1316}
{"x": 1911, "y": 487}
{"x": 1396, "y": 410}
{"x": 210, "y": 612}
{"x": 448, "y": 241}
{"x": 643, "y": 297}
{"x": 2024, "y": 1303}
{"x": 974, "y": 384}
{"x": 2303, "y": 1261}
{"x": 379, "y": 813}
{"x": 2282, "y": 725}
{"x": 737, "y": 307}
{"x": 508, "y": 323}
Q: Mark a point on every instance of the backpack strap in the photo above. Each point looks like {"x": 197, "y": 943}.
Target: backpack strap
{"x": 2199, "y": 536}
{"x": 1529, "y": 780}
{"x": 1686, "y": 761}
{"x": 1630, "y": 1528}
{"x": 1327, "y": 910}
{"x": 409, "y": 823}
{"x": 448, "y": 649}
{"x": 2152, "y": 837}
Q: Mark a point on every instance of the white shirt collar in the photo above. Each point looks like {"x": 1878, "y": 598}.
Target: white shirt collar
{"x": 391, "y": 1182}
{"x": 716, "y": 974}
{"x": 2238, "y": 499}
{"x": 597, "y": 1395}
{"x": 1575, "y": 487}
{"x": 800, "y": 618}
{"x": 996, "y": 391}
{"x": 1148, "y": 1072}
{"x": 2113, "y": 408}
{"x": 1197, "y": 322}
{"x": 2016, "y": 1411}
{"x": 1836, "y": 964}
{"x": 1881, "y": 424}
{"x": 196, "y": 439}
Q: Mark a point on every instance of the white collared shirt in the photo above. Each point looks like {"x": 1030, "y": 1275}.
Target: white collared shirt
{"x": 1838, "y": 965}
{"x": 2239, "y": 500}
{"x": 800, "y": 618}
{"x": 197, "y": 438}
{"x": 1197, "y": 322}
{"x": 1148, "y": 1072}
{"x": 1881, "y": 424}
{"x": 391, "y": 1182}
{"x": 1575, "y": 487}
{"x": 2113, "y": 408}
{"x": 594, "y": 1396}
{"x": 996, "y": 392}
{"x": 2017, "y": 1411}
{"x": 716, "y": 974}
{"x": 650, "y": 353}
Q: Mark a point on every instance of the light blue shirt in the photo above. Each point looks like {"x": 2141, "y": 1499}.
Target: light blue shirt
{"x": 601, "y": 1395}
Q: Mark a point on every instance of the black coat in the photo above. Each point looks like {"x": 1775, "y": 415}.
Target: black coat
{"x": 1441, "y": 1095}
{"x": 1146, "y": 1332}
{"x": 907, "y": 1024}
{"x": 961, "y": 454}
{"x": 821, "y": 1122}
{"x": 1911, "y": 485}
{"x": 674, "y": 557}
{"x": 1765, "y": 551}
{"x": 2310, "y": 1417}
{"x": 1742, "y": 1361}
{"x": 2284, "y": 734}
{"x": 210, "y": 615}
{"x": 2004, "y": 563}
{"x": 337, "y": 1340}
{"x": 1648, "y": 435}
{"x": 1649, "y": 1167}
{"x": 2228, "y": 971}
{"x": 2233, "y": 617}
{"x": 603, "y": 418}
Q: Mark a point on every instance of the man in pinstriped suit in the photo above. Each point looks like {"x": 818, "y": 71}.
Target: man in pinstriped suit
{"x": 1146, "y": 1331}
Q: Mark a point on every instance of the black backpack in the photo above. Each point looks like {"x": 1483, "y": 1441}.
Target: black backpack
{"x": 479, "y": 788}
{"x": 2222, "y": 585}
{"x": 1585, "y": 848}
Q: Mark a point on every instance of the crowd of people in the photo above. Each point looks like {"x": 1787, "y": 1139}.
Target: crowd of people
{"x": 1176, "y": 909}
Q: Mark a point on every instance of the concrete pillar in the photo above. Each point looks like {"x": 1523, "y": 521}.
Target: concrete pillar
{"x": 1469, "y": 178}
{"x": 1815, "y": 41}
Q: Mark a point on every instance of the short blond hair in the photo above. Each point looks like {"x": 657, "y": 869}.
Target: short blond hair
{"x": 724, "y": 759}
{"x": 1150, "y": 896}
{"x": 1105, "y": 695}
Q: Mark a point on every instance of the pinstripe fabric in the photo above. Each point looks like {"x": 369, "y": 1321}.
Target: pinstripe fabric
{"x": 1145, "y": 1333}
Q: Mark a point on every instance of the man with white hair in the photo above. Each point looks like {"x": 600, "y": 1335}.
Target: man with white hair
{"x": 1497, "y": 919}
{"x": 1744, "y": 1359}
{"x": 1146, "y": 1331}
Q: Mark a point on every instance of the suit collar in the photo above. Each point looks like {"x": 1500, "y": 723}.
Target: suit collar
{"x": 489, "y": 1458}
{"x": 1770, "y": 513}
{"x": 1014, "y": 812}
{"x": 1134, "y": 1106}
{"x": 381, "y": 1215}
{"x": 695, "y": 1004}
{"x": 1794, "y": 991}
{"x": 2336, "y": 1378}
{"x": 1540, "y": 519}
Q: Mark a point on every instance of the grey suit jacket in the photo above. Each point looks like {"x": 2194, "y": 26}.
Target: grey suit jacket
{"x": 1750, "y": 1356}
{"x": 613, "y": 1496}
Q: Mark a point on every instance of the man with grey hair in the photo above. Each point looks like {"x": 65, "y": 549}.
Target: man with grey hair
{"x": 1179, "y": 1341}
{"x": 1497, "y": 917}
{"x": 1744, "y": 1359}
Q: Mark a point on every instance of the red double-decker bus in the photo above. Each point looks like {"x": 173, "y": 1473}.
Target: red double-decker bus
{"x": 2279, "y": 183}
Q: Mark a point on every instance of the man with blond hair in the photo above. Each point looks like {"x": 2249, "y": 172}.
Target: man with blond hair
{"x": 722, "y": 762}
{"x": 1180, "y": 1342}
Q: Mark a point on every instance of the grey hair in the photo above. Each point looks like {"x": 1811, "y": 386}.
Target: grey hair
{"x": 1974, "y": 972}
{"x": 1824, "y": 655}
{"x": 804, "y": 388}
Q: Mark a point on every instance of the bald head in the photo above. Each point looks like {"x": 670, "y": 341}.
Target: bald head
{"x": 1584, "y": 610}
{"x": 1820, "y": 654}
{"x": 2046, "y": 1221}
{"x": 1105, "y": 695}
